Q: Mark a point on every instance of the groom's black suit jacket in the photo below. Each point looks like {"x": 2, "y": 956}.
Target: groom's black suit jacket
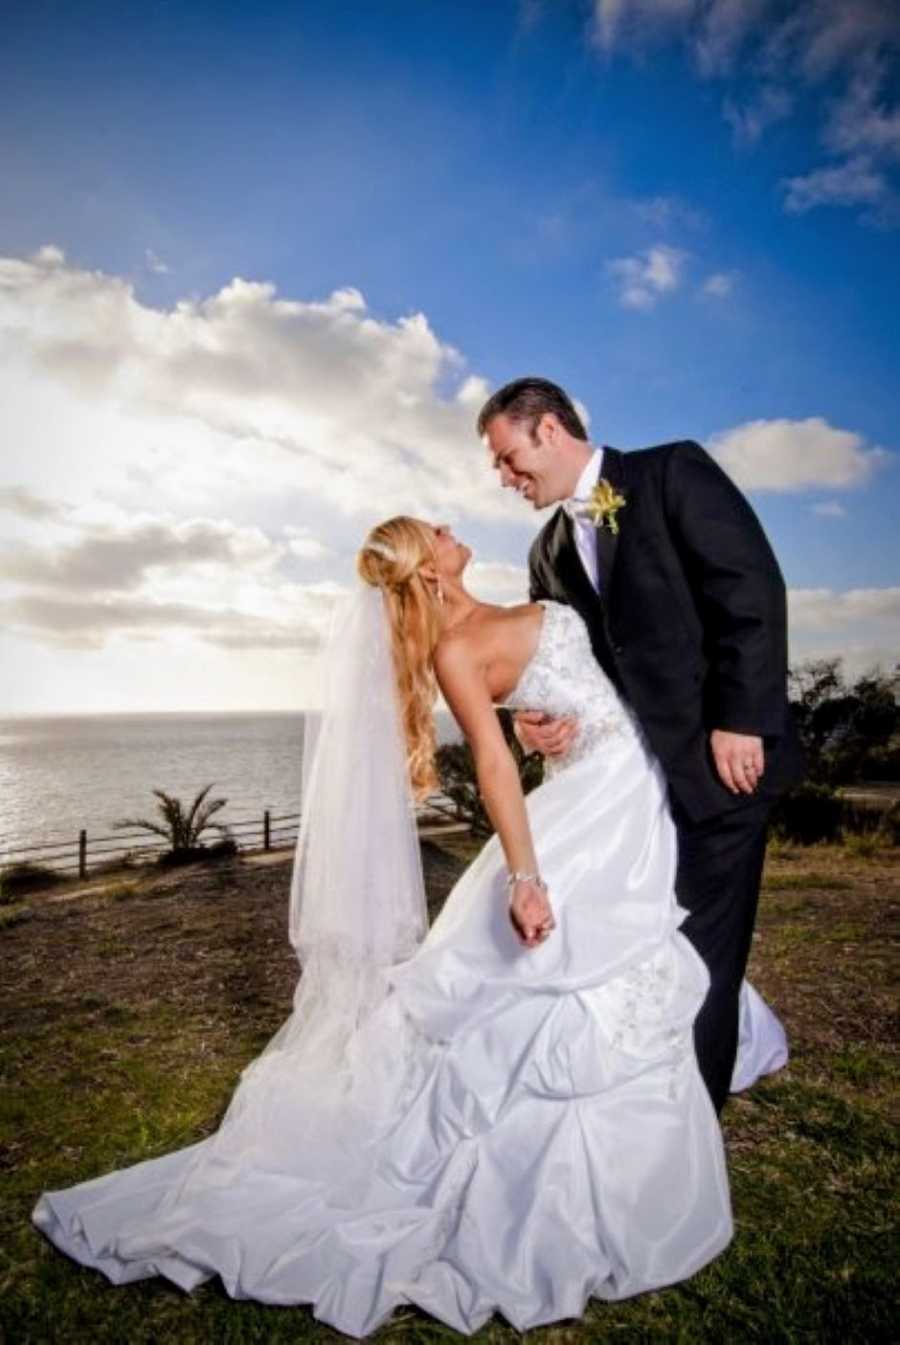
{"x": 690, "y": 622}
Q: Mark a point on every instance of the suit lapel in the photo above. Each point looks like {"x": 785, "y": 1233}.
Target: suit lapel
{"x": 562, "y": 549}
{"x": 564, "y": 560}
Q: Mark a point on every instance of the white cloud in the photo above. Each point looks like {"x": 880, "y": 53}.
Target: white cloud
{"x": 829, "y": 509}
{"x": 627, "y": 20}
{"x": 20, "y": 500}
{"x": 722, "y": 31}
{"x": 785, "y": 455}
{"x": 154, "y": 263}
{"x": 584, "y": 414}
{"x": 813, "y": 39}
{"x": 243, "y": 394}
{"x": 860, "y": 626}
{"x": 117, "y": 559}
{"x": 498, "y": 581}
{"x": 473, "y": 393}
{"x": 174, "y": 477}
{"x": 89, "y": 584}
{"x": 303, "y": 543}
{"x": 665, "y": 212}
{"x": 849, "y": 183}
{"x": 859, "y": 121}
{"x": 88, "y": 623}
{"x": 49, "y": 255}
{"x": 786, "y": 52}
{"x": 824, "y": 609}
{"x": 719, "y": 284}
{"x": 769, "y": 105}
{"x": 822, "y": 37}
{"x": 644, "y": 279}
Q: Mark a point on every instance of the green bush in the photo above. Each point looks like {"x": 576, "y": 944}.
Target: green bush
{"x": 890, "y": 825}
{"x": 198, "y": 854}
{"x": 25, "y": 877}
{"x": 863, "y": 845}
{"x": 850, "y": 731}
{"x": 808, "y": 814}
{"x": 14, "y": 915}
{"x": 860, "y": 818}
{"x": 814, "y": 812}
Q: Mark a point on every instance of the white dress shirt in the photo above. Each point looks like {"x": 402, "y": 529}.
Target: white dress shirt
{"x": 585, "y": 532}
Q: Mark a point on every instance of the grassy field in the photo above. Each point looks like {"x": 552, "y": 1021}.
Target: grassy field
{"x": 130, "y": 1006}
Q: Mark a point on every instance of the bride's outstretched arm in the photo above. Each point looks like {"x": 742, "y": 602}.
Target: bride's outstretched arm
{"x": 463, "y": 682}
{"x": 465, "y": 690}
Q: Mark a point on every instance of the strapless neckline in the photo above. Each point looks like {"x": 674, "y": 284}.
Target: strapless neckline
{"x": 543, "y": 603}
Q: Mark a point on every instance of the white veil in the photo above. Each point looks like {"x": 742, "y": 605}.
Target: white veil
{"x": 357, "y": 897}
{"x": 357, "y": 907}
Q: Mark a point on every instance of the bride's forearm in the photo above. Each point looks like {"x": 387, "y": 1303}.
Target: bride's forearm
{"x": 501, "y": 793}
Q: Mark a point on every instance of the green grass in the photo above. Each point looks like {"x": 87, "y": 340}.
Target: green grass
{"x": 14, "y": 915}
{"x": 125, "y": 1023}
{"x": 781, "y": 882}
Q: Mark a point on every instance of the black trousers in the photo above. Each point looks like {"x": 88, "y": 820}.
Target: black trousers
{"x": 720, "y": 862}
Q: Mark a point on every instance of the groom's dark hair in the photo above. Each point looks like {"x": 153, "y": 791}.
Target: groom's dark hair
{"x": 528, "y": 399}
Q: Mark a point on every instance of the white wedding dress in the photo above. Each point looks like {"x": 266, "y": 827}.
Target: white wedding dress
{"x": 522, "y": 1128}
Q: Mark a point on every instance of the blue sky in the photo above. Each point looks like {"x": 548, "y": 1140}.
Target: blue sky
{"x": 689, "y": 221}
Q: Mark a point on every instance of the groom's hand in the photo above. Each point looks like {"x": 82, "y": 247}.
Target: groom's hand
{"x": 739, "y": 759}
{"x": 537, "y": 732}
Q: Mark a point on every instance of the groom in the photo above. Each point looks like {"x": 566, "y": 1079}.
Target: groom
{"x": 669, "y": 567}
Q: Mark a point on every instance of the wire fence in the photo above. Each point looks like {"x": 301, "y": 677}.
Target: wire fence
{"x": 436, "y": 815}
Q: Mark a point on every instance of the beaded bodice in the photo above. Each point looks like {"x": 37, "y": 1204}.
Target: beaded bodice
{"x": 564, "y": 680}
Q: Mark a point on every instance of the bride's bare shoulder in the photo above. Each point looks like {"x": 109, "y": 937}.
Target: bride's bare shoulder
{"x": 521, "y": 617}
{"x": 477, "y": 642}
{"x": 477, "y": 661}
{"x": 456, "y": 647}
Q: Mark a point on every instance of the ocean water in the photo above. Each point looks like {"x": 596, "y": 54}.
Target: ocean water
{"x": 61, "y": 773}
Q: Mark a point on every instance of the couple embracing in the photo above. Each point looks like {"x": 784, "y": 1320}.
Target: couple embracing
{"x": 517, "y": 1109}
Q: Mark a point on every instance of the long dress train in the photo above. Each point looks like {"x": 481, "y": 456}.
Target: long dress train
{"x": 517, "y": 1129}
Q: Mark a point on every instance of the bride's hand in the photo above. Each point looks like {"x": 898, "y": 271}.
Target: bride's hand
{"x": 531, "y": 913}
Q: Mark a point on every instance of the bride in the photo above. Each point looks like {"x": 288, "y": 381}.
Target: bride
{"x": 503, "y": 1114}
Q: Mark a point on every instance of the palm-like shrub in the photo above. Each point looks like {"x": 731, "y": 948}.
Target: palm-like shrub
{"x": 182, "y": 829}
{"x": 459, "y": 779}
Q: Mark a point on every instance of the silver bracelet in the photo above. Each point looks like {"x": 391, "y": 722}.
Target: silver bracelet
{"x": 535, "y": 878}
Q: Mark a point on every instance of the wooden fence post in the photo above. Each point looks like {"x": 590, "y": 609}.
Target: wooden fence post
{"x": 266, "y": 820}
{"x": 82, "y": 854}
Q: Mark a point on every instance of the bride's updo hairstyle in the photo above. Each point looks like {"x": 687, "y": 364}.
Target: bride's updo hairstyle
{"x": 390, "y": 559}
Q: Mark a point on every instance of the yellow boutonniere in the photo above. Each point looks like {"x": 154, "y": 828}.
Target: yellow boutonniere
{"x": 603, "y": 504}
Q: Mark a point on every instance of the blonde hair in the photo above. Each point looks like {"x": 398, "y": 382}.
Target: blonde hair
{"x": 390, "y": 559}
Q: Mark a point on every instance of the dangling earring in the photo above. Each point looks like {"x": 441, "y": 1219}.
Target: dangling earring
{"x": 440, "y": 591}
